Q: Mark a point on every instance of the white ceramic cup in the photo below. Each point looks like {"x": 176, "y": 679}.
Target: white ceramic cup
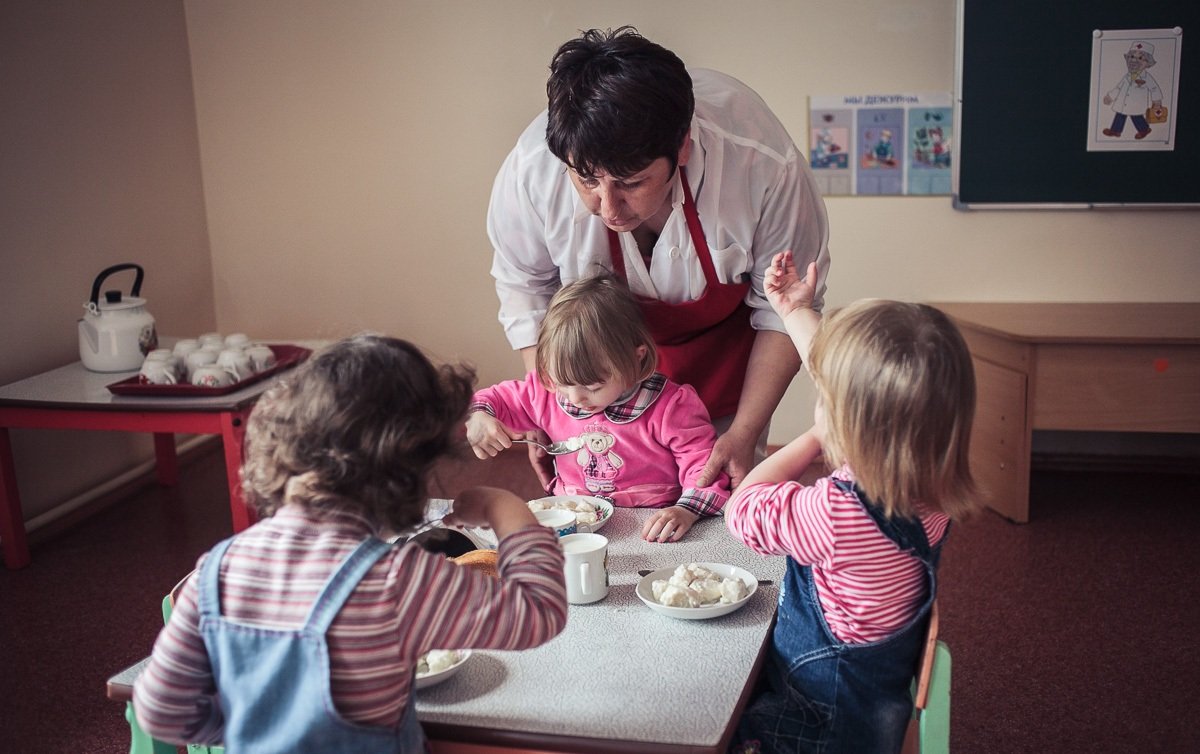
{"x": 211, "y": 375}
{"x": 237, "y": 340}
{"x": 199, "y": 358}
{"x": 262, "y": 357}
{"x": 561, "y": 521}
{"x": 587, "y": 567}
{"x": 158, "y": 371}
{"x": 212, "y": 339}
{"x": 237, "y": 362}
{"x": 175, "y": 361}
{"x": 186, "y": 346}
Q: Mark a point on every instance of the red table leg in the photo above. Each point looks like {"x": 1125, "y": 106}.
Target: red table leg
{"x": 233, "y": 429}
{"x": 12, "y": 520}
{"x": 166, "y": 461}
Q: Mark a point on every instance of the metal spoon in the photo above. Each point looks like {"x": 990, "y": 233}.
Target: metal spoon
{"x": 761, "y": 582}
{"x": 557, "y": 448}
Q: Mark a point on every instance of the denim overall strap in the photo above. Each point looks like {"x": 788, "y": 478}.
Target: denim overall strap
{"x": 826, "y": 695}
{"x": 273, "y": 684}
{"x": 907, "y": 533}
{"x": 343, "y": 583}
{"x": 208, "y": 600}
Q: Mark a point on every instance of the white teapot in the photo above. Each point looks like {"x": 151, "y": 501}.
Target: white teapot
{"x": 116, "y": 334}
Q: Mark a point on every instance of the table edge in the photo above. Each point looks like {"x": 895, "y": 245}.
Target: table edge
{"x": 978, "y": 322}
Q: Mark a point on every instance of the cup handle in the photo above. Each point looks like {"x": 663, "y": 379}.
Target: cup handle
{"x": 584, "y": 574}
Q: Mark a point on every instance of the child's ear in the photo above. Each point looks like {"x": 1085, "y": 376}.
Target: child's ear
{"x": 643, "y": 359}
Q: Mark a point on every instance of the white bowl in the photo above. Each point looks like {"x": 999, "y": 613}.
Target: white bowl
{"x": 433, "y": 679}
{"x": 645, "y": 592}
{"x": 604, "y": 509}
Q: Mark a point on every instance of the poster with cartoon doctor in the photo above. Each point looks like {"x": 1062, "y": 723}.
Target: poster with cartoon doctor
{"x": 1135, "y": 85}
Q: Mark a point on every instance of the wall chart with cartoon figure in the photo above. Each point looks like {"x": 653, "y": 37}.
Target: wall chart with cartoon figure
{"x": 1133, "y": 81}
{"x": 881, "y": 143}
{"x": 1093, "y": 105}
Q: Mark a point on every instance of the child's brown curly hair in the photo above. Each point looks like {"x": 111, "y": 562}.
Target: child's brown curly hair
{"x": 357, "y": 427}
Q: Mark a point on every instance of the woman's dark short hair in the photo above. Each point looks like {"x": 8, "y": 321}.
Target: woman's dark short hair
{"x": 357, "y": 427}
{"x": 617, "y": 102}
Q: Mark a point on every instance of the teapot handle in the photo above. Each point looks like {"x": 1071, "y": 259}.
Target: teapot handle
{"x": 137, "y": 283}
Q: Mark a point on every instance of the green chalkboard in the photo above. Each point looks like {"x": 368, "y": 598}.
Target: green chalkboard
{"x": 1024, "y": 94}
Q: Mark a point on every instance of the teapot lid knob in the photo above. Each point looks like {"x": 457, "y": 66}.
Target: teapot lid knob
{"x": 112, "y": 297}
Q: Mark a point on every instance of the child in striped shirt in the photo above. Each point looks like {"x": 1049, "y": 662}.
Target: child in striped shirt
{"x": 896, "y": 398}
{"x": 302, "y": 633}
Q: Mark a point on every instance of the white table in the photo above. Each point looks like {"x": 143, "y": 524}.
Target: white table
{"x": 620, "y": 677}
{"x": 71, "y": 397}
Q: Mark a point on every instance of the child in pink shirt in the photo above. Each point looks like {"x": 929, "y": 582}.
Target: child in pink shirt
{"x": 641, "y": 439}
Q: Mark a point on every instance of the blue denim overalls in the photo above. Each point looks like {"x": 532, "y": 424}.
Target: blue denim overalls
{"x": 273, "y": 684}
{"x": 828, "y": 696}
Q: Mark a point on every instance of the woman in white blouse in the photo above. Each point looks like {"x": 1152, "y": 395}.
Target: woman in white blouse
{"x": 683, "y": 183}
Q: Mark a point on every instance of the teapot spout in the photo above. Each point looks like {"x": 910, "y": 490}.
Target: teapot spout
{"x": 89, "y": 337}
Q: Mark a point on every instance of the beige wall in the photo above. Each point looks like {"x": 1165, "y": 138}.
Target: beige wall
{"x": 347, "y": 151}
{"x": 369, "y": 133}
{"x": 98, "y": 165}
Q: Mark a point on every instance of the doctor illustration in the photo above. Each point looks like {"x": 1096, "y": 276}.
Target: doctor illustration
{"x": 684, "y": 184}
{"x": 1135, "y": 93}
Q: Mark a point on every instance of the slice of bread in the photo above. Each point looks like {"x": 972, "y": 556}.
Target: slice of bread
{"x": 483, "y": 561}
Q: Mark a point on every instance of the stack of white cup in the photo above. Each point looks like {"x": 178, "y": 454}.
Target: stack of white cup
{"x": 209, "y": 360}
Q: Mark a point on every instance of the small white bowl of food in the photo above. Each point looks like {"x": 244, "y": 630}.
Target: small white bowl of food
{"x": 591, "y": 513}
{"x": 438, "y": 665}
{"x": 697, "y": 591}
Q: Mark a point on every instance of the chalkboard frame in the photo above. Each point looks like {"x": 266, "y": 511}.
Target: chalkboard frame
{"x": 1022, "y": 87}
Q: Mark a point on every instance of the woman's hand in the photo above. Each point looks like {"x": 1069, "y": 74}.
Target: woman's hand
{"x": 541, "y": 461}
{"x": 733, "y": 454}
{"x": 668, "y": 524}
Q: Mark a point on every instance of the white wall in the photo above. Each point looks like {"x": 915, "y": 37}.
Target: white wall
{"x": 369, "y": 132}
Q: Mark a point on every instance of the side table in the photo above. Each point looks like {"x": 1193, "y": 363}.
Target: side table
{"x": 71, "y": 397}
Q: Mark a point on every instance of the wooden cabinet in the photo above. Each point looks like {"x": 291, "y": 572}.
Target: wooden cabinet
{"x": 1132, "y": 367}
{"x": 1000, "y": 438}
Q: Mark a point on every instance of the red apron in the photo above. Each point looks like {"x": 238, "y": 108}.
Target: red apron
{"x": 703, "y": 343}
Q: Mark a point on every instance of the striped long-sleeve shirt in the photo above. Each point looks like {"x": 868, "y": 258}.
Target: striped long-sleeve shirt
{"x": 411, "y": 601}
{"x": 867, "y": 586}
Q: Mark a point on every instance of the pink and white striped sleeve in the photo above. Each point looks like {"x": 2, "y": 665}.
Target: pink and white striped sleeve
{"x": 783, "y": 518}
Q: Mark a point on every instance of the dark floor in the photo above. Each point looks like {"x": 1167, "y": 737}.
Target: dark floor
{"x": 1072, "y": 633}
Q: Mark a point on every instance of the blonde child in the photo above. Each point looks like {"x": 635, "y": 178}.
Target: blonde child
{"x": 303, "y": 632}
{"x": 642, "y": 440}
{"x": 896, "y": 397}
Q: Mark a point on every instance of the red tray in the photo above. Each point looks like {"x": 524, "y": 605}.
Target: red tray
{"x": 286, "y": 357}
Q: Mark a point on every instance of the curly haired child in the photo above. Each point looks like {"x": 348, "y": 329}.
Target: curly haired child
{"x": 303, "y": 632}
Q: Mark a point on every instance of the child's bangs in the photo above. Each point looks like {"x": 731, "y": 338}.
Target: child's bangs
{"x": 573, "y": 361}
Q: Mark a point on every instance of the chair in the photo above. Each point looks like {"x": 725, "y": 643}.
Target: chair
{"x": 120, "y": 687}
{"x": 929, "y": 730}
